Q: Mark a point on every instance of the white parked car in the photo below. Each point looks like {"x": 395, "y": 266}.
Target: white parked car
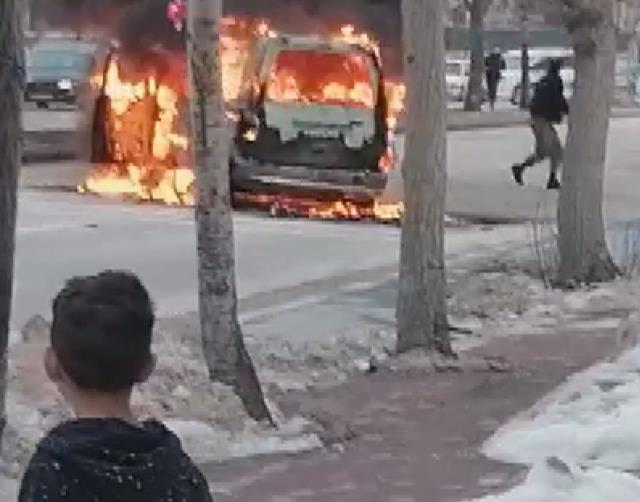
{"x": 457, "y": 78}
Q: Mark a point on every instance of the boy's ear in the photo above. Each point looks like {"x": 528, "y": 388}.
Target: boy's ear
{"x": 52, "y": 366}
{"x": 148, "y": 369}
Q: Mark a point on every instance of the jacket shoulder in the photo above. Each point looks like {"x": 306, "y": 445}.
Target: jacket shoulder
{"x": 42, "y": 478}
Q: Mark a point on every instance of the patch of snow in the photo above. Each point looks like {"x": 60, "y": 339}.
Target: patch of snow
{"x": 546, "y": 484}
{"x": 205, "y": 443}
{"x": 582, "y": 441}
{"x": 298, "y": 365}
{"x": 208, "y": 416}
{"x": 590, "y": 421}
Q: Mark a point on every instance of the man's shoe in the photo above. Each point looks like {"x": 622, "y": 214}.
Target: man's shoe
{"x": 553, "y": 184}
{"x": 517, "y": 171}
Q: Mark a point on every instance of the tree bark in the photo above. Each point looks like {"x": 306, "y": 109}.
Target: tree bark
{"x": 11, "y": 80}
{"x": 226, "y": 355}
{"x": 421, "y": 308}
{"x": 584, "y": 256}
{"x": 525, "y": 81}
{"x": 475, "y": 91}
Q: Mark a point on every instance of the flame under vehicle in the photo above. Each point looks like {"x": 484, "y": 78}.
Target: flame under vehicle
{"x": 311, "y": 120}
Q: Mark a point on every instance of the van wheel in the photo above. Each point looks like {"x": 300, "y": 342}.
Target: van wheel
{"x": 42, "y": 105}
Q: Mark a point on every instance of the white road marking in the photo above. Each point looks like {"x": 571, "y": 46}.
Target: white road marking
{"x": 50, "y": 227}
{"x": 255, "y": 315}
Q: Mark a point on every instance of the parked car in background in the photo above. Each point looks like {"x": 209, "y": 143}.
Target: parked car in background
{"x": 56, "y": 69}
{"x": 457, "y": 78}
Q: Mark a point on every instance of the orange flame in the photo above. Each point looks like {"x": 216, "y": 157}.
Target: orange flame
{"x": 161, "y": 172}
{"x": 155, "y": 176}
{"x": 279, "y": 205}
{"x": 316, "y": 77}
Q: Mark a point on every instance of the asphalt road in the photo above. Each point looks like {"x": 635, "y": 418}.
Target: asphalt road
{"x": 480, "y": 182}
{"x": 61, "y": 235}
{"x": 281, "y": 264}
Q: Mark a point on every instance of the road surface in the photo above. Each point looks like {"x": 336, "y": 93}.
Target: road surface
{"x": 281, "y": 264}
{"x": 480, "y": 182}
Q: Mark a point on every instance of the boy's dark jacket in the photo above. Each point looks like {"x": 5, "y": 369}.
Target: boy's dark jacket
{"x": 548, "y": 100}
{"x": 108, "y": 460}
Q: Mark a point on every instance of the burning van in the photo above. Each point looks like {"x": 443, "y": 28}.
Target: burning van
{"x": 312, "y": 120}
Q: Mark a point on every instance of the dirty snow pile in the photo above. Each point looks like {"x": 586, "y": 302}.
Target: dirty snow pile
{"x": 286, "y": 365}
{"x": 502, "y": 298}
{"x": 582, "y": 442}
{"x": 208, "y": 418}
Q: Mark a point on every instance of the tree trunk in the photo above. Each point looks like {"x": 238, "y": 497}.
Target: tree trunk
{"x": 11, "y": 79}
{"x": 477, "y": 11}
{"x": 584, "y": 256}
{"x": 227, "y": 358}
{"x": 525, "y": 81}
{"x": 421, "y": 308}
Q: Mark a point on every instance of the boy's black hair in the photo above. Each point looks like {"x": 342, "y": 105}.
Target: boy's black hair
{"x": 101, "y": 330}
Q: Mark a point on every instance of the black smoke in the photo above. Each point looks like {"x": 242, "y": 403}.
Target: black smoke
{"x": 136, "y": 24}
{"x": 380, "y": 17}
{"x": 143, "y": 23}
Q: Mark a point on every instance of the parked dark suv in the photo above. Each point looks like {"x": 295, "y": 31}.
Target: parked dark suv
{"x": 55, "y": 71}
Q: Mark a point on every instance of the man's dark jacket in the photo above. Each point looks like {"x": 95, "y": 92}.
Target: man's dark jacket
{"x": 548, "y": 100}
{"x": 107, "y": 460}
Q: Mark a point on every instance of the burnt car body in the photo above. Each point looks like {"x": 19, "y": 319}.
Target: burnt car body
{"x": 294, "y": 137}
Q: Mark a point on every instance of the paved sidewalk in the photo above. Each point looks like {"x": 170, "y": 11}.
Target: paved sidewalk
{"x": 417, "y": 436}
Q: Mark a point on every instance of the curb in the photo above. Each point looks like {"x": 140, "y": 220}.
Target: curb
{"x": 516, "y": 120}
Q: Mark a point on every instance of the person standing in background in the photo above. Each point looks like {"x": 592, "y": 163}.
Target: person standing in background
{"x": 494, "y": 65}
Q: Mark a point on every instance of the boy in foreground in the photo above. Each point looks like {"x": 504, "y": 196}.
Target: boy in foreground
{"x": 100, "y": 348}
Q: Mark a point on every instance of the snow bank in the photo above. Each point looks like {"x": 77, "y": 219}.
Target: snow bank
{"x": 504, "y": 299}
{"x": 205, "y": 443}
{"x": 592, "y": 420}
{"x": 555, "y": 481}
{"x": 298, "y": 365}
{"x": 582, "y": 441}
{"x": 208, "y": 417}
